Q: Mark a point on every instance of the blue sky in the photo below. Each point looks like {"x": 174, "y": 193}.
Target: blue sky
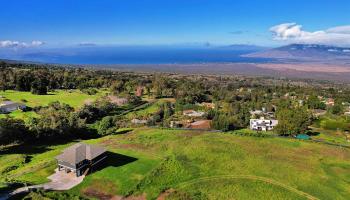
{"x": 154, "y": 22}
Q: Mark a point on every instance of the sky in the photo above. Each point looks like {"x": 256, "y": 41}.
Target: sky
{"x": 53, "y": 23}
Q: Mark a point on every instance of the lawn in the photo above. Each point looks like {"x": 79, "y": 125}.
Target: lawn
{"x": 200, "y": 165}
{"x": 74, "y": 98}
{"x": 331, "y": 136}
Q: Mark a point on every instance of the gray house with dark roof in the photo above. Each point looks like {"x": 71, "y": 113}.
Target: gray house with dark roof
{"x": 80, "y": 157}
{"x": 9, "y": 106}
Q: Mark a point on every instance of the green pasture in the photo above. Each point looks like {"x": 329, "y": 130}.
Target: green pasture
{"x": 196, "y": 165}
{"x": 74, "y": 98}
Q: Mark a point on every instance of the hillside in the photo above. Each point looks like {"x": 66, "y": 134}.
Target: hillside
{"x": 196, "y": 165}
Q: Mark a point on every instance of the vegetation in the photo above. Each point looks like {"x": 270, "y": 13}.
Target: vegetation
{"x": 201, "y": 165}
{"x": 66, "y": 105}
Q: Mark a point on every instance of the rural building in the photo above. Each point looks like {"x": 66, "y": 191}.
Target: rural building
{"x": 329, "y": 102}
{"x": 207, "y": 105}
{"x": 318, "y": 112}
{"x": 118, "y": 100}
{"x": 139, "y": 121}
{"x": 263, "y": 124}
{"x": 80, "y": 157}
{"x": 193, "y": 113}
{"x": 201, "y": 124}
{"x": 9, "y": 106}
{"x": 176, "y": 124}
{"x": 256, "y": 112}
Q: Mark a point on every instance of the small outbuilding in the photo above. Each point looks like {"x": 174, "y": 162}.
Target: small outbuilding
{"x": 80, "y": 157}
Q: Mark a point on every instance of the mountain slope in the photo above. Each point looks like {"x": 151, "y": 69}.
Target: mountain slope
{"x": 304, "y": 52}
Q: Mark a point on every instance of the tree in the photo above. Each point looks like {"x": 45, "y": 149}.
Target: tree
{"x": 314, "y": 102}
{"x": 39, "y": 87}
{"x": 292, "y": 121}
{"x": 117, "y": 87}
{"x": 107, "y": 126}
{"x": 56, "y": 120}
{"x": 336, "y": 109}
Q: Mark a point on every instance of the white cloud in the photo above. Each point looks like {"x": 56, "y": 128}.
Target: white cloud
{"x": 340, "y": 29}
{"x": 292, "y": 32}
{"x": 17, "y": 44}
{"x": 36, "y": 43}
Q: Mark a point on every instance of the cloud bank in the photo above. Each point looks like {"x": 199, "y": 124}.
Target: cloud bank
{"x": 294, "y": 33}
{"x": 17, "y": 44}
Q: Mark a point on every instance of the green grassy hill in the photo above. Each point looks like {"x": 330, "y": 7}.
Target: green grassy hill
{"x": 199, "y": 165}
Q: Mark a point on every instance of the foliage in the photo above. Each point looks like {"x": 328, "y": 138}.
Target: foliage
{"x": 314, "y": 102}
{"x": 56, "y": 120}
{"x": 107, "y": 126}
{"x": 97, "y": 110}
{"x": 292, "y": 121}
{"x": 90, "y": 91}
{"x": 336, "y": 109}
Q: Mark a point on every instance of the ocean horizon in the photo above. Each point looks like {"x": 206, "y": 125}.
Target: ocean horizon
{"x": 132, "y": 55}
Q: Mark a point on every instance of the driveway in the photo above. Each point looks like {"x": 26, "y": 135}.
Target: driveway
{"x": 60, "y": 180}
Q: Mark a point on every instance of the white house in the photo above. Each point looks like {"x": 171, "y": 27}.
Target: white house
{"x": 9, "y": 106}
{"x": 263, "y": 124}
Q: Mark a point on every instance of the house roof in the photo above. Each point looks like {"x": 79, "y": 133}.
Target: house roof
{"x": 79, "y": 152}
{"x": 10, "y": 104}
{"x": 6, "y": 103}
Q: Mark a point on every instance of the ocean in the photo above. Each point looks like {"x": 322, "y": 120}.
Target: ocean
{"x": 132, "y": 55}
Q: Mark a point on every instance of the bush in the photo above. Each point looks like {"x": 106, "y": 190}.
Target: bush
{"x": 89, "y": 91}
{"x": 107, "y": 126}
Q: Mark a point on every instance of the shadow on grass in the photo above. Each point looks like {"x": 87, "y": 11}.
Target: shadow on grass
{"x": 112, "y": 160}
{"x": 24, "y": 149}
{"x": 41, "y": 145}
{"x": 313, "y": 133}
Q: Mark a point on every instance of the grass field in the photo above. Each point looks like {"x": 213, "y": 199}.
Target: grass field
{"x": 148, "y": 111}
{"x": 74, "y": 98}
{"x": 198, "y": 165}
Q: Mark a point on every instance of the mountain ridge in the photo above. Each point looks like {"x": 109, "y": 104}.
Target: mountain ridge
{"x": 304, "y": 52}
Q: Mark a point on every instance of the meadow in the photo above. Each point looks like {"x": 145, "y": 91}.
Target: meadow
{"x": 74, "y": 98}
{"x": 179, "y": 164}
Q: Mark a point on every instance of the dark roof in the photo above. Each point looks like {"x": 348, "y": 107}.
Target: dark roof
{"x": 79, "y": 152}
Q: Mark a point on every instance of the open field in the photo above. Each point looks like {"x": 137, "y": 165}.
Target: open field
{"x": 74, "y": 98}
{"x": 201, "y": 165}
{"x": 149, "y": 110}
